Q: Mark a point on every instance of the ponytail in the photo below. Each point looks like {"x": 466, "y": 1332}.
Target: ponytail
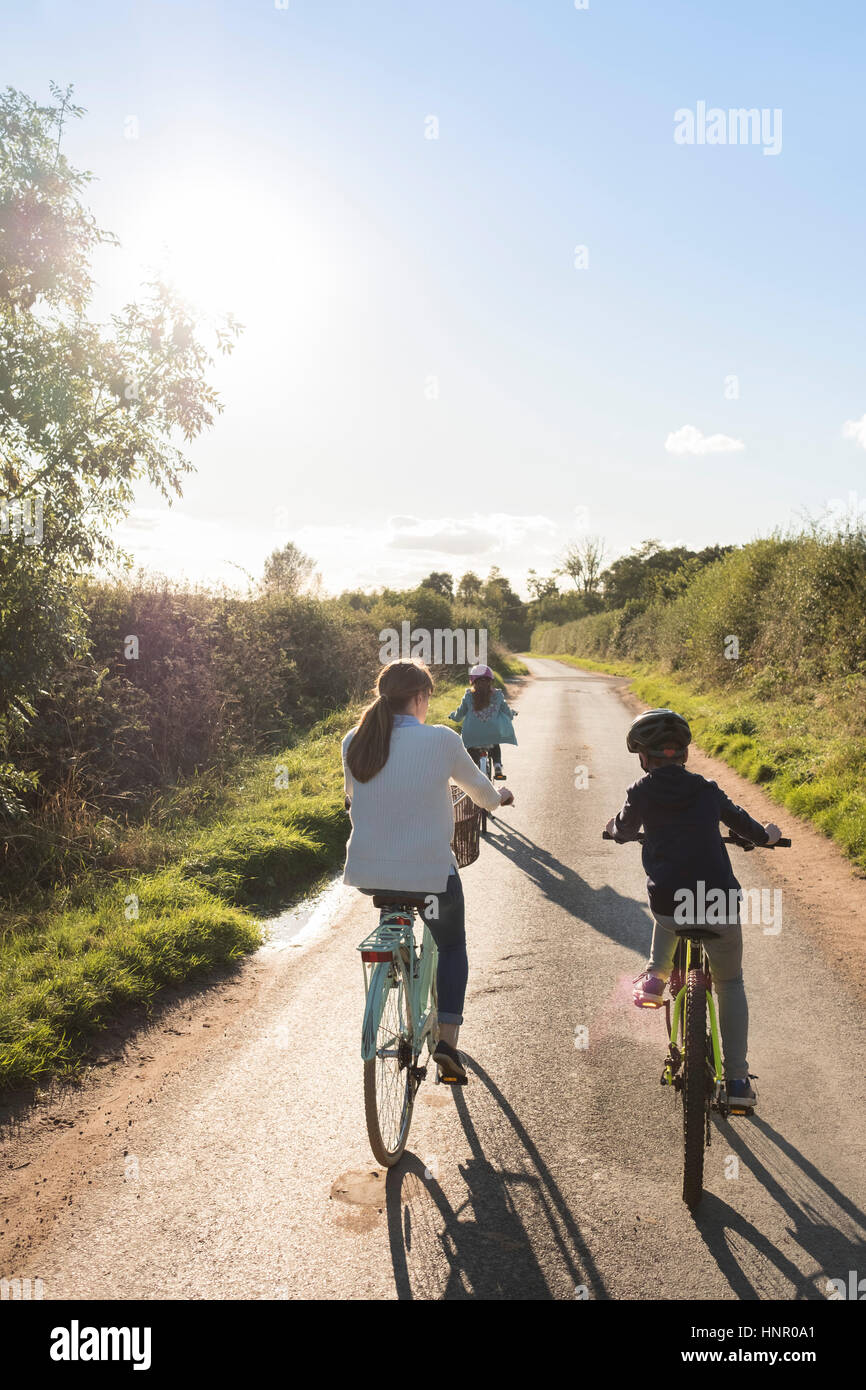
{"x": 482, "y": 689}
{"x": 368, "y": 751}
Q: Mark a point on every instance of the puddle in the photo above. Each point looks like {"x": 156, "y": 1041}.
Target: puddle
{"x": 307, "y": 919}
{"x": 364, "y": 1193}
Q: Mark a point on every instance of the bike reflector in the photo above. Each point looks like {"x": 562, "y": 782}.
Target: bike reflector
{"x": 374, "y": 957}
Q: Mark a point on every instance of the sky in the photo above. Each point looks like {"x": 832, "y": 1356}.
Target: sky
{"x": 510, "y": 272}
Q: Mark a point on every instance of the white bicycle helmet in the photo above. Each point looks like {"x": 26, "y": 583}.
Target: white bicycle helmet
{"x": 481, "y": 673}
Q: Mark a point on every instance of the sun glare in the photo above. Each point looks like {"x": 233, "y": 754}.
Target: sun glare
{"x": 228, "y": 249}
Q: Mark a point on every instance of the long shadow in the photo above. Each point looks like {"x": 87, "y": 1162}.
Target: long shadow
{"x": 484, "y": 1243}
{"x": 621, "y": 918}
{"x": 807, "y": 1191}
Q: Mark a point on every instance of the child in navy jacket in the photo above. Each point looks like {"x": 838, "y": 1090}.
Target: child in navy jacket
{"x": 687, "y": 867}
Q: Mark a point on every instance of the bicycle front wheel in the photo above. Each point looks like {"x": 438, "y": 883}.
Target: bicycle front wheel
{"x": 389, "y": 1090}
{"x": 694, "y": 1087}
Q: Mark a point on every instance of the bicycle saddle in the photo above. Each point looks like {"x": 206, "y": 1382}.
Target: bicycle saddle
{"x": 400, "y": 899}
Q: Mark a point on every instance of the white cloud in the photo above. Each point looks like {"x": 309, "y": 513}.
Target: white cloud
{"x": 856, "y": 429}
{"x": 477, "y": 535}
{"x": 689, "y": 440}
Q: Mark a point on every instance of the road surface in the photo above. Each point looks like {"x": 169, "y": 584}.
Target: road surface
{"x": 224, "y": 1154}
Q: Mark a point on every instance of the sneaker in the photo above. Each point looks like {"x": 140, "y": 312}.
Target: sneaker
{"x": 498, "y": 774}
{"x": 448, "y": 1059}
{"x": 741, "y": 1094}
{"x": 648, "y": 991}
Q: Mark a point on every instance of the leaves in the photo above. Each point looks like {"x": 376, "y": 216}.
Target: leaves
{"x": 85, "y": 408}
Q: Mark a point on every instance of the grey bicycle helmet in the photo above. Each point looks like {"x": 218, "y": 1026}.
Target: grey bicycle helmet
{"x": 661, "y": 733}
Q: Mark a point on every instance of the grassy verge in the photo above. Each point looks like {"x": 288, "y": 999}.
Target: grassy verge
{"x": 182, "y": 903}
{"x": 507, "y": 665}
{"x": 806, "y": 748}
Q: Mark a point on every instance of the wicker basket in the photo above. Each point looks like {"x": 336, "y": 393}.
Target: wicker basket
{"x": 466, "y": 842}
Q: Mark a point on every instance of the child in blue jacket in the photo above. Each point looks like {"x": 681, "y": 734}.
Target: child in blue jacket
{"x": 486, "y": 718}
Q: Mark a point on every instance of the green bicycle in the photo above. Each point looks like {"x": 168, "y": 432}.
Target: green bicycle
{"x": 693, "y": 1065}
{"x": 400, "y": 1012}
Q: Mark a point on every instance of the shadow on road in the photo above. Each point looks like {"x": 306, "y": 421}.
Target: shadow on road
{"x": 485, "y": 1242}
{"x": 826, "y": 1225}
{"x": 621, "y": 918}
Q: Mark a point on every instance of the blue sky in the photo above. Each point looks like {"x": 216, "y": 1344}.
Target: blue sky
{"x": 426, "y": 380}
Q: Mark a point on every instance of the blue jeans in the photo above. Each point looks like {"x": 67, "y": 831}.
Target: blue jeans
{"x": 448, "y": 930}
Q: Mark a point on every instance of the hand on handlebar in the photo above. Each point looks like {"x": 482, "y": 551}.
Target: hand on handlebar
{"x": 506, "y": 798}
{"x": 610, "y": 828}
{"x": 773, "y": 831}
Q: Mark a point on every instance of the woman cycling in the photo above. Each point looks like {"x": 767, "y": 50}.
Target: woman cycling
{"x": 398, "y": 772}
{"x": 486, "y": 718}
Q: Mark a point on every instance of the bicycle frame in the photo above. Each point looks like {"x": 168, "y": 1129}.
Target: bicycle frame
{"x": 381, "y": 956}
{"x": 673, "y": 1061}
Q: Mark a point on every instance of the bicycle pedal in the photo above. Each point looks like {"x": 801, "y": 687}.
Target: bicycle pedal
{"x": 451, "y": 1080}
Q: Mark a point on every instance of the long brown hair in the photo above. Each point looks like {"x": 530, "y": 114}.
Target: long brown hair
{"x": 368, "y": 751}
{"x": 482, "y": 689}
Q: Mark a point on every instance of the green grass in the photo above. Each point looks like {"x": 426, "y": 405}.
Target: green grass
{"x": 212, "y": 857}
{"x": 506, "y": 665}
{"x": 806, "y": 749}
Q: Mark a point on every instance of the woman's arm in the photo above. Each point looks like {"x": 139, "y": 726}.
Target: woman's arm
{"x": 347, "y": 776}
{"x": 460, "y": 713}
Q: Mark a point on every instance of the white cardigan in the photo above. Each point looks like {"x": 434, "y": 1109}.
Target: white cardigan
{"x": 402, "y": 819}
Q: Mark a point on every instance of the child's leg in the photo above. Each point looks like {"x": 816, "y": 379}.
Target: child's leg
{"x": 664, "y": 945}
{"x": 726, "y": 962}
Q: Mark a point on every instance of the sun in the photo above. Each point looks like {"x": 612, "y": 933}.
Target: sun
{"x": 231, "y": 247}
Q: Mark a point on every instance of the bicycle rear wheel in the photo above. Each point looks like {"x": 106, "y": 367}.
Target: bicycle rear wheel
{"x": 485, "y": 767}
{"x": 389, "y": 1088}
{"x": 694, "y": 1086}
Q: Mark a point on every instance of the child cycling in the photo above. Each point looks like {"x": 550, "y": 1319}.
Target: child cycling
{"x": 486, "y": 718}
{"x": 680, "y": 813}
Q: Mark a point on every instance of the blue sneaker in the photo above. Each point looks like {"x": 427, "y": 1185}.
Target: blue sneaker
{"x": 648, "y": 991}
{"x": 741, "y": 1095}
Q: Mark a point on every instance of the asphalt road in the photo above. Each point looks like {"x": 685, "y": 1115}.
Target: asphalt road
{"x": 245, "y": 1171}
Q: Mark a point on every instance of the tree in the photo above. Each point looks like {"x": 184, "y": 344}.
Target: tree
{"x": 86, "y": 410}
{"x": 287, "y": 570}
{"x": 440, "y": 583}
{"x": 539, "y": 587}
{"x": 582, "y": 563}
{"x": 498, "y": 595}
{"x": 652, "y": 571}
{"x": 469, "y": 588}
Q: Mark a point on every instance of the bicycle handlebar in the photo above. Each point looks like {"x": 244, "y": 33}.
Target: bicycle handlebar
{"x": 784, "y": 843}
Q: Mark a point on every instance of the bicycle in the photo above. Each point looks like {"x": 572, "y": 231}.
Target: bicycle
{"x": 400, "y": 1011}
{"x": 485, "y": 767}
{"x": 693, "y": 1065}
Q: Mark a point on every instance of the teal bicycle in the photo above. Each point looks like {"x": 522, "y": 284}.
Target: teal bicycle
{"x": 693, "y": 1065}
{"x": 399, "y": 961}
